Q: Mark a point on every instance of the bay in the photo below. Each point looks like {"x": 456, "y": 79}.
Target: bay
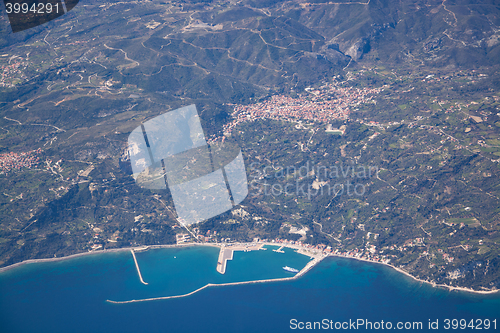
{"x": 70, "y": 295}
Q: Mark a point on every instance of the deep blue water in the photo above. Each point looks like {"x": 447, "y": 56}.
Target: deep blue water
{"x": 70, "y": 295}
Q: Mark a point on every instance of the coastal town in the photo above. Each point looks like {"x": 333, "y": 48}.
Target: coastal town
{"x": 304, "y": 248}
{"x": 342, "y": 168}
{"x": 462, "y": 231}
{"x": 316, "y": 253}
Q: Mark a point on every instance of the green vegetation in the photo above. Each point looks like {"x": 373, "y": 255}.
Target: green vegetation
{"x": 463, "y": 220}
{"x": 432, "y": 135}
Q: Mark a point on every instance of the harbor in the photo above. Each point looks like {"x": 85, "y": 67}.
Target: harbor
{"x": 183, "y": 283}
{"x": 280, "y": 250}
{"x": 226, "y": 253}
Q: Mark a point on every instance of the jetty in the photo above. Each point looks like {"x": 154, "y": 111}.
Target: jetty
{"x": 280, "y": 250}
{"x": 137, "y": 266}
{"x": 225, "y": 254}
{"x": 309, "y": 265}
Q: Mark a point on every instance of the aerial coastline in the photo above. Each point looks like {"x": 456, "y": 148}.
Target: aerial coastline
{"x": 304, "y": 270}
{"x": 316, "y": 254}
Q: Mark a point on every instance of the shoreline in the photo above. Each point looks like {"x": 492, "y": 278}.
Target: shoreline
{"x": 303, "y": 271}
{"x": 136, "y": 249}
{"x": 433, "y": 284}
{"x": 300, "y": 249}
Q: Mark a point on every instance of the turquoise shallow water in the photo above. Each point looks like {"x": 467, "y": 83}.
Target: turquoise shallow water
{"x": 70, "y": 295}
{"x": 178, "y": 271}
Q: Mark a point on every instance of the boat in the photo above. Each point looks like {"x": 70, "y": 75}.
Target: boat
{"x": 290, "y": 269}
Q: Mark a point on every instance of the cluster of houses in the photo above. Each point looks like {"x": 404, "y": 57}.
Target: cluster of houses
{"x": 16, "y": 161}
{"x": 328, "y": 102}
{"x": 209, "y": 236}
{"x": 368, "y": 254}
{"x": 11, "y": 71}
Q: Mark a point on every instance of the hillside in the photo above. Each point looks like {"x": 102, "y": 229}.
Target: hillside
{"x": 409, "y": 89}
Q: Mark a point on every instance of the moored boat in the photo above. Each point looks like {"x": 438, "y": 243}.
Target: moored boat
{"x": 290, "y": 269}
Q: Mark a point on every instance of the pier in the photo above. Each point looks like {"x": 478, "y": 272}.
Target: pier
{"x": 309, "y": 265}
{"x": 137, "y": 266}
{"x": 225, "y": 254}
{"x": 280, "y": 250}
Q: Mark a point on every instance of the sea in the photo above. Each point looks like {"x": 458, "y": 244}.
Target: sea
{"x": 338, "y": 294}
